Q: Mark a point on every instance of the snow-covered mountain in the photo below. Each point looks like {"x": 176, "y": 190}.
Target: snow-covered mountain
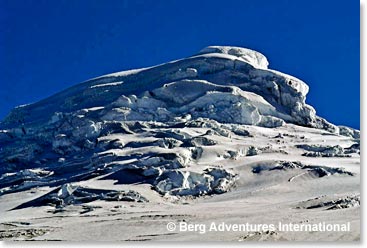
{"x": 213, "y": 124}
{"x": 249, "y": 93}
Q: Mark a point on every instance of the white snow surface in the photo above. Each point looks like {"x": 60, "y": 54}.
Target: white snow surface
{"x": 218, "y": 71}
{"x": 107, "y": 84}
{"x": 252, "y": 57}
{"x": 213, "y": 137}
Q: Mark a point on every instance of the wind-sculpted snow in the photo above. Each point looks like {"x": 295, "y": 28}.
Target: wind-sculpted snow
{"x": 254, "y": 58}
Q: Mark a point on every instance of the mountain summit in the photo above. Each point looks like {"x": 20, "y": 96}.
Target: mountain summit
{"x": 217, "y": 127}
{"x": 227, "y": 84}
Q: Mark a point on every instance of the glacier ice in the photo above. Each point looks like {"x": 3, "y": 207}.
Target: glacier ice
{"x": 232, "y": 80}
{"x": 154, "y": 124}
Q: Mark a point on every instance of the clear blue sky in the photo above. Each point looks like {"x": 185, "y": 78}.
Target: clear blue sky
{"x": 47, "y": 46}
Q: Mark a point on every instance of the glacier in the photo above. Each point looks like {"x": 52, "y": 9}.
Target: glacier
{"x": 219, "y": 122}
{"x": 250, "y": 93}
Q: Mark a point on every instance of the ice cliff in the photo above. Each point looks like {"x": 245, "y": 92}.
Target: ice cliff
{"x": 228, "y": 84}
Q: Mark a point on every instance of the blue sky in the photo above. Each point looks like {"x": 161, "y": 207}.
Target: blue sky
{"x": 47, "y": 46}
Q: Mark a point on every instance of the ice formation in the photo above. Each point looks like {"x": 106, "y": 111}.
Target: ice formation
{"x": 153, "y": 125}
{"x": 227, "y": 84}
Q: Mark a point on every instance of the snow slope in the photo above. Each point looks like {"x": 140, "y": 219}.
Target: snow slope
{"x": 213, "y": 130}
